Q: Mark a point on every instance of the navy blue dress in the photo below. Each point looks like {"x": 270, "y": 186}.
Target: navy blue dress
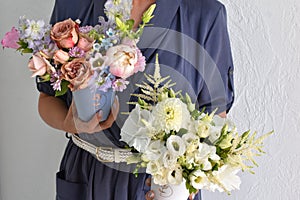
{"x": 192, "y": 42}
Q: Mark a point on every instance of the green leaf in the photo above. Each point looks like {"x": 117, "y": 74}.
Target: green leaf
{"x": 64, "y": 88}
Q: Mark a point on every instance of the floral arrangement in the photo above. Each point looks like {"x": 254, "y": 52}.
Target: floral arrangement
{"x": 73, "y": 56}
{"x": 176, "y": 142}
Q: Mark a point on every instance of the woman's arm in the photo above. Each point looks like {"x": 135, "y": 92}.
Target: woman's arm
{"x": 56, "y": 114}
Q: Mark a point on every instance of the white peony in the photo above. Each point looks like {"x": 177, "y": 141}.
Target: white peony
{"x": 226, "y": 175}
{"x": 200, "y": 128}
{"x": 171, "y": 114}
{"x": 199, "y": 179}
{"x": 175, "y": 145}
{"x": 161, "y": 178}
{"x": 137, "y": 128}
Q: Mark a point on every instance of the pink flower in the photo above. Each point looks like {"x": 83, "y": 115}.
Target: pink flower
{"x": 65, "y": 33}
{"x": 39, "y": 65}
{"x": 78, "y": 72}
{"x": 61, "y": 56}
{"x": 11, "y": 38}
{"x": 124, "y": 60}
{"x": 85, "y": 42}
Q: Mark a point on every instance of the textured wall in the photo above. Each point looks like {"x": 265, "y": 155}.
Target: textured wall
{"x": 266, "y": 53}
{"x": 265, "y": 38}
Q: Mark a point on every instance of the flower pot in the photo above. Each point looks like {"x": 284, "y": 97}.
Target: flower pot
{"x": 89, "y": 101}
{"x": 170, "y": 192}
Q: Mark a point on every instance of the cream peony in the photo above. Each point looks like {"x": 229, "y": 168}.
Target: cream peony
{"x": 171, "y": 114}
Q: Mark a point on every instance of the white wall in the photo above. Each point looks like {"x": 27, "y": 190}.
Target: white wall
{"x": 266, "y": 52}
{"x": 30, "y": 151}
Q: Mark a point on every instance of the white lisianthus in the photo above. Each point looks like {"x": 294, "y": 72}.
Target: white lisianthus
{"x": 171, "y": 114}
{"x": 154, "y": 167}
{"x": 155, "y": 150}
{"x": 204, "y": 154}
{"x": 174, "y": 175}
{"x": 215, "y": 131}
{"x": 137, "y": 128}
{"x": 226, "y": 175}
{"x": 191, "y": 141}
{"x": 199, "y": 179}
{"x": 169, "y": 160}
{"x": 175, "y": 145}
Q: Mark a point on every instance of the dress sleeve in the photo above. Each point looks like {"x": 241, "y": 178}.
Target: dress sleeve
{"x": 218, "y": 94}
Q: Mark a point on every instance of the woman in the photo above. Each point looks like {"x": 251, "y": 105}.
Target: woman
{"x": 209, "y": 77}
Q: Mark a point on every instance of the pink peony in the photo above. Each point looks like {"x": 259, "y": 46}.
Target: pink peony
{"x": 11, "y": 38}
{"x": 65, "y": 33}
{"x": 125, "y": 60}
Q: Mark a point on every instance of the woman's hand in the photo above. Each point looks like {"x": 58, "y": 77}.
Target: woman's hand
{"x": 73, "y": 124}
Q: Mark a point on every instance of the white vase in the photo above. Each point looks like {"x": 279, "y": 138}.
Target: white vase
{"x": 170, "y": 192}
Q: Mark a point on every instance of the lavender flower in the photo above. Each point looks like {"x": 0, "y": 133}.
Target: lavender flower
{"x": 120, "y": 85}
{"x": 76, "y": 52}
{"x": 85, "y": 29}
{"x": 35, "y": 29}
{"x": 56, "y": 80}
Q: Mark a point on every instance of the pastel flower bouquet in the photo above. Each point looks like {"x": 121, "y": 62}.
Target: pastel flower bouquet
{"x": 96, "y": 58}
{"x": 185, "y": 149}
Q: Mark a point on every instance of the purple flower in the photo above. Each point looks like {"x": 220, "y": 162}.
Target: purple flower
{"x": 56, "y": 80}
{"x": 76, "y": 52}
{"x": 105, "y": 84}
{"x": 119, "y": 85}
{"x": 85, "y": 29}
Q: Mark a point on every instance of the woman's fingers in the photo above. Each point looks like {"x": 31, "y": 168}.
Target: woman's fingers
{"x": 149, "y": 195}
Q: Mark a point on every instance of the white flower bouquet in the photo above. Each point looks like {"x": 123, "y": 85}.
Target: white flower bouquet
{"x": 179, "y": 144}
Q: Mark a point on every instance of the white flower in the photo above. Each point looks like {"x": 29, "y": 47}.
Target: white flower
{"x": 191, "y": 141}
{"x": 203, "y": 155}
{"x": 199, "y": 179}
{"x": 226, "y": 175}
{"x": 98, "y": 61}
{"x": 161, "y": 178}
{"x": 136, "y": 129}
{"x": 175, "y": 145}
{"x": 171, "y": 114}
{"x": 174, "y": 175}
{"x": 155, "y": 150}
{"x": 169, "y": 160}
{"x": 200, "y": 128}
{"x": 215, "y": 130}
{"x": 154, "y": 167}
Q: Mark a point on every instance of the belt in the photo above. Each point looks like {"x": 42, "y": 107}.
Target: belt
{"x": 103, "y": 154}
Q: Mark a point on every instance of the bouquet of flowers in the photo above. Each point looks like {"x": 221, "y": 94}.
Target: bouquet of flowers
{"x": 179, "y": 144}
{"x": 75, "y": 57}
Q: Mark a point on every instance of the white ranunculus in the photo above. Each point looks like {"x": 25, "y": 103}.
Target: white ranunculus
{"x": 161, "y": 178}
{"x": 175, "y": 145}
{"x": 174, "y": 175}
{"x": 155, "y": 150}
{"x": 171, "y": 114}
{"x": 169, "y": 160}
{"x": 137, "y": 128}
{"x": 199, "y": 179}
{"x": 200, "y": 128}
{"x": 191, "y": 141}
{"x": 226, "y": 175}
